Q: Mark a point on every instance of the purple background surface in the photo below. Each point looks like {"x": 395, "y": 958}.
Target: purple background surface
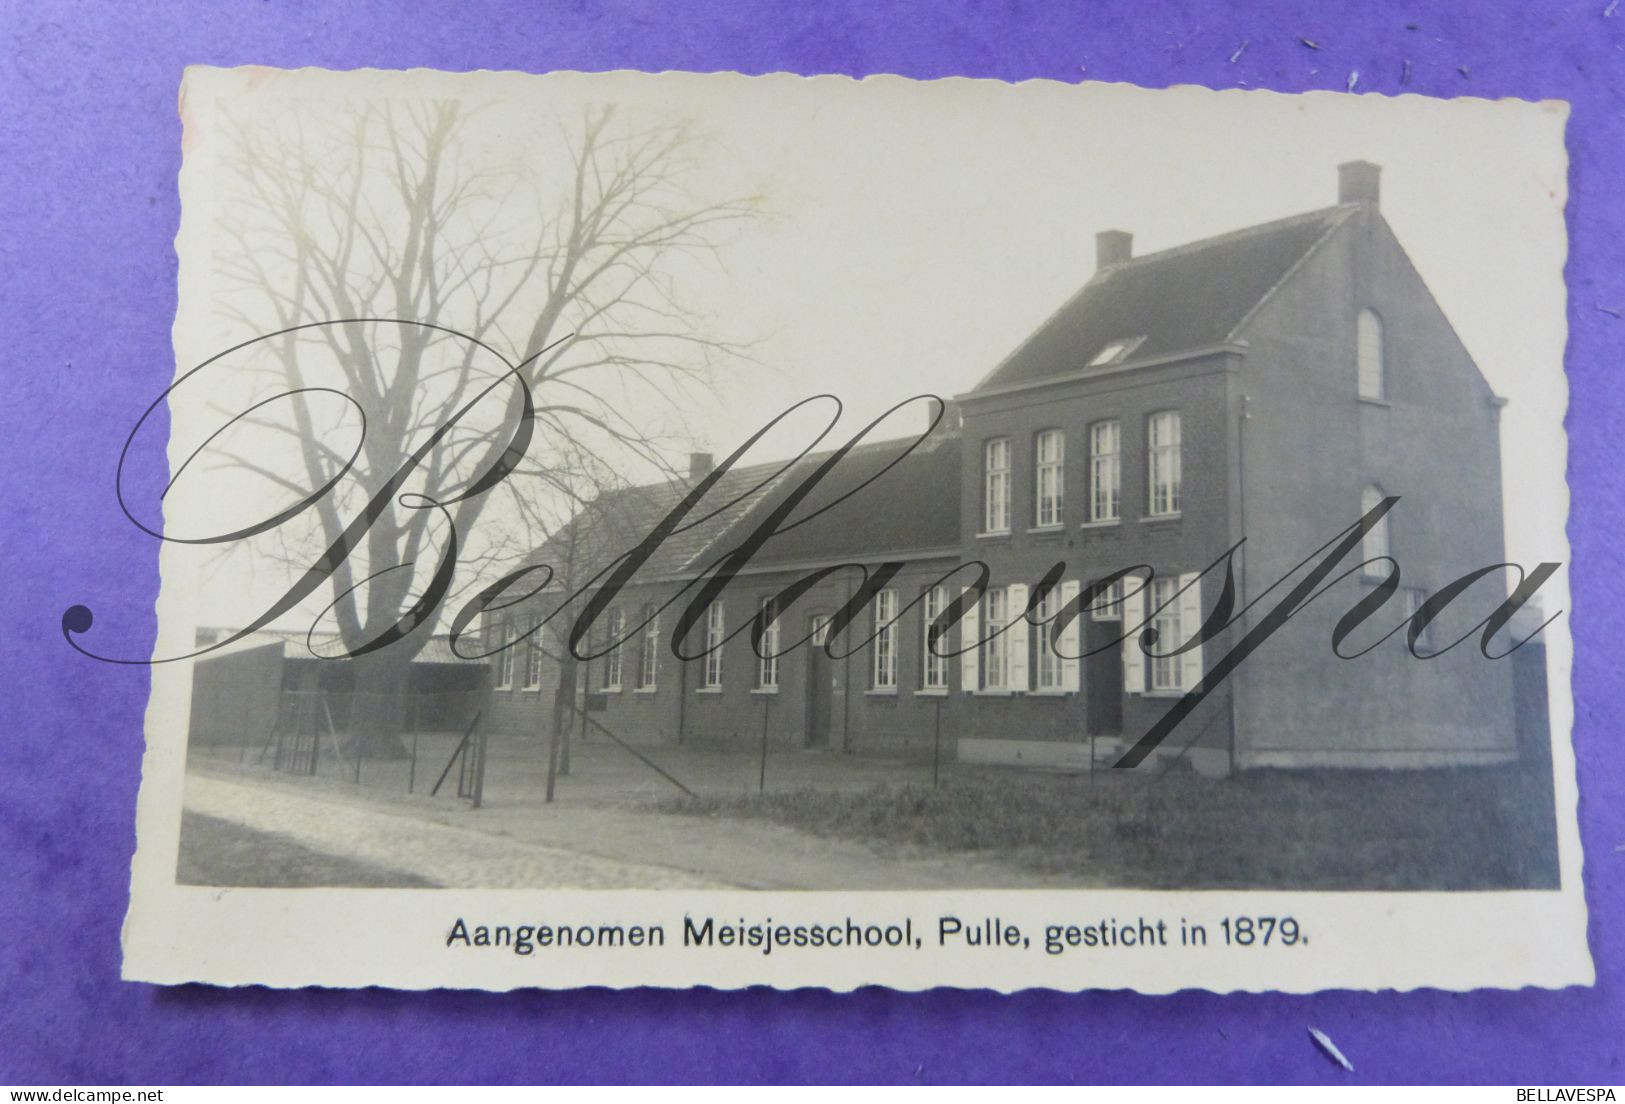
{"x": 88, "y": 213}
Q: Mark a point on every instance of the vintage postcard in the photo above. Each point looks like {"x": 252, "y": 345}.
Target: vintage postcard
{"x": 683, "y": 530}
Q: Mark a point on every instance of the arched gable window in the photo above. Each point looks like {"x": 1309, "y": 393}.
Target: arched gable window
{"x": 1375, "y": 545}
{"x": 1368, "y": 344}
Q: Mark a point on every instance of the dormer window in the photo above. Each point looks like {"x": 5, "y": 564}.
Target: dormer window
{"x": 1115, "y": 351}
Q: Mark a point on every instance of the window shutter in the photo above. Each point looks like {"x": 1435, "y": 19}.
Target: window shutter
{"x": 1068, "y": 646}
{"x": 1190, "y": 620}
{"x": 971, "y": 660}
{"x": 1016, "y": 640}
{"x": 1133, "y": 657}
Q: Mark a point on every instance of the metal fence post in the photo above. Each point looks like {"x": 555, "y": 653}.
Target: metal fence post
{"x": 761, "y": 781}
{"x": 936, "y": 748}
{"x": 412, "y": 771}
{"x": 357, "y": 743}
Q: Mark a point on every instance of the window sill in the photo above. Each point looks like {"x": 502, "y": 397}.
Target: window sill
{"x": 708, "y": 690}
{"x": 1048, "y": 530}
{"x": 1047, "y": 693}
{"x": 616, "y": 689}
{"x": 503, "y": 686}
{"x": 881, "y": 692}
{"x": 646, "y": 690}
{"x": 1108, "y": 523}
{"x": 932, "y": 692}
{"x": 1164, "y": 694}
{"x": 537, "y": 689}
{"x": 995, "y": 534}
{"x": 994, "y": 693}
{"x": 764, "y": 690}
{"x": 1155, "y": 519}
{"x": 1369, "y": 401}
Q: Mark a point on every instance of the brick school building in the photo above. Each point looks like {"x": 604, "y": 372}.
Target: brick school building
{"x": 1272, "y": 384}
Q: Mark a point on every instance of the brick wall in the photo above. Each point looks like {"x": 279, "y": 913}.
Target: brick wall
{"x": 1311, "y": 445}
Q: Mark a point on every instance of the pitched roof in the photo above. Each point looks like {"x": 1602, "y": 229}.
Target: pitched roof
{"x": 616, "y": 521}
{"x": 913, "y": 505}
{"x": 299, "y": 644}
{"x": 1175, "y": 300}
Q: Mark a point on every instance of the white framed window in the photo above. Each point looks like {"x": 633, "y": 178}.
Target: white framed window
{"x": 533, "y": 658}
{"x": 1108, "y": 604}
{"x": 1106, "y": 471}
{"x": 1048, "y": 664}
{"x": 884, "y": 674}
{"x": 995, "y": 649}
{"x": 1369, "y": 354}
{"x": 649, "y": 649}
{"x": 1375, "y": 545}
{"x": 1165, "y": 669}
{"x": 505, "y": 656}
{"x": 1163, "y": 462}
{"x": 1410, "y": 601}
{"x": 997, "y": 661}
{"x": 614, "y": 627}
{"x": 996, "y": 486}
{"x": 1174, "y": 605}
{"x": 767, "y": 665}
{"x": 933, "y": 668}
{"x": 714, "y": 631}
{"x": 1049, "y": 458}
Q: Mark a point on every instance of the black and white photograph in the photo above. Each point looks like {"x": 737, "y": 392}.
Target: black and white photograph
{"x": 914, "y": 533}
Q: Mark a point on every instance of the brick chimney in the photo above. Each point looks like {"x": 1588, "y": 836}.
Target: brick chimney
{"x": 1359, "y": 182}
{"x": 950, "y": 415}
{"x": 700, "y": 465}
{"x": 1113, "y": 247}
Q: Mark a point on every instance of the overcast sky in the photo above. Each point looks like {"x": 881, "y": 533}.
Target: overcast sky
{"x": 913, "y": 232}
{"x": 919, "y": 231}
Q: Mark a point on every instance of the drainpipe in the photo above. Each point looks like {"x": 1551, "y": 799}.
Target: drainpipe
{"x": 1242, "y": 419}
{"x": 846, "y": 689}
{"x": 682, "y": 700}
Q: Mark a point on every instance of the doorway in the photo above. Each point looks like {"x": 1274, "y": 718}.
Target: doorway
{"x": 820, "y": 683}
{"x": 1103, "y": 677}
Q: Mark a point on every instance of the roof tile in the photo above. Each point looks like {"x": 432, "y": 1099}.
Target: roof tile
{"x": 1177, "y": 299}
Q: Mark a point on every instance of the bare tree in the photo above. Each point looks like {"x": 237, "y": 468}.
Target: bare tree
{"x": 397, "y": 218}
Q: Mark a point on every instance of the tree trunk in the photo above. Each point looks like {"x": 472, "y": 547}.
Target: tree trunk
{"x": 378, "y": 708}
{"x": 563, "y": 718}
